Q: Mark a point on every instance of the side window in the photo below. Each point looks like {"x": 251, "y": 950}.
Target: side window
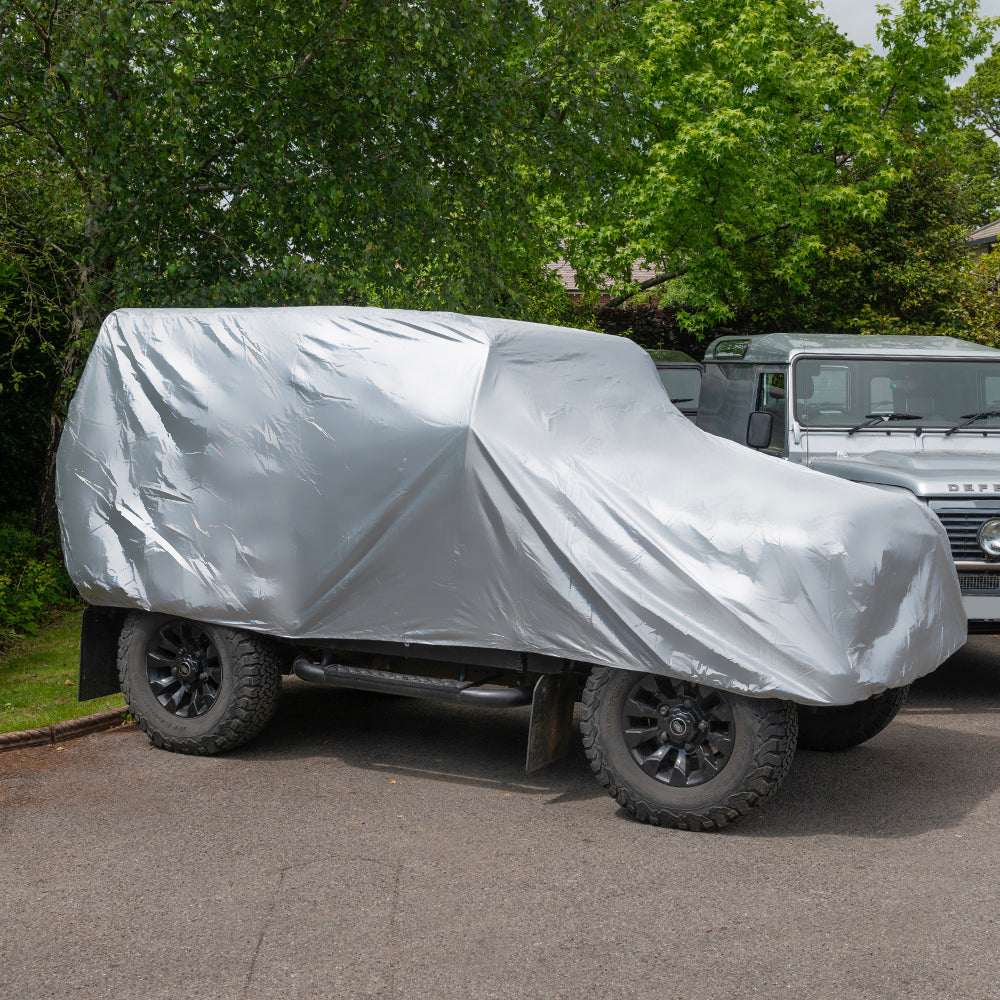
{"x": 771, "y": 398}
{"x": 683, "y": 385}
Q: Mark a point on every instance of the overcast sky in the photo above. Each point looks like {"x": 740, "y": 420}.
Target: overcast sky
{"x": 857, "y": 19}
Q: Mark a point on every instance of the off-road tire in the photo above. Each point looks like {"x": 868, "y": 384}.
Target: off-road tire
{"x": 245, "y": 696}
{"x": 764, "y": 738}
{"x": 840, "y": 727}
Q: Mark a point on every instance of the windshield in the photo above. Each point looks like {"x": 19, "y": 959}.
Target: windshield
{"x": 889, "y": 393}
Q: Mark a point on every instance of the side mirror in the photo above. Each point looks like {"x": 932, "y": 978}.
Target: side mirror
{"x": 759, "y": 429}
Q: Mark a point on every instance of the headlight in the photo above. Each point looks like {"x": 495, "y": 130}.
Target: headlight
{"x": 989, "y": 537}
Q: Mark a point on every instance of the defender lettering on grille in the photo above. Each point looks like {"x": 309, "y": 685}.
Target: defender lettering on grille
{"x": 974, "y": 487}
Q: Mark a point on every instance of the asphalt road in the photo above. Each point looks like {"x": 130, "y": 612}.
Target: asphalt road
{"x": 376, "y": 847}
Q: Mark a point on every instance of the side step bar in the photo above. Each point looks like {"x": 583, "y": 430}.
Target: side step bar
{"x": 411, "y": 685}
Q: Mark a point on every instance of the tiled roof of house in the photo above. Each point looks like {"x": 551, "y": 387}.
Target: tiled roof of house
{"x": 568, "y": 276}
{"x": 985, "y": 235}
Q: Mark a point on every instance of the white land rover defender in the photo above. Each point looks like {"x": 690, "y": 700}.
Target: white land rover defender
{"x": 914, "y": 415}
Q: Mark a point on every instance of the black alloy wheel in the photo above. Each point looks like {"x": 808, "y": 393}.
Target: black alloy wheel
{"x": 184, "y": 668}
{"x": 679, "y": 733}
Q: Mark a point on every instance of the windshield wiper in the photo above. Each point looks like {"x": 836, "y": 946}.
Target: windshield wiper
{"x": 871, "y": 419}
{"x": 686, "y": 399}
{"x": 971, "y": 418}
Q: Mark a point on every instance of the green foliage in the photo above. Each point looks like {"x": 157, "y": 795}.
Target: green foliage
{"x": 541, "y": 298}
{"x": 980, "y": 301}
{"x": 978, "y": 101}
{"x": 31, "y": 333}
{"x": 528, "y": 292}
{"x": 654, "y": 327}
{"x": 300, "y": 152}
{"x": 37, "y": 240}
{"x": 33, "y": 580}
{"x": 765, "y": 125}
{"x": 908, "y": 271}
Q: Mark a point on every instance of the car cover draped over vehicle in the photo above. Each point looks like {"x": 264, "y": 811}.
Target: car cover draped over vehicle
{"x": 410, "y": 477}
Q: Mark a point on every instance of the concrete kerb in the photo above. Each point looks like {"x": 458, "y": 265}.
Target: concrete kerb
{"x": 61, "y": 731}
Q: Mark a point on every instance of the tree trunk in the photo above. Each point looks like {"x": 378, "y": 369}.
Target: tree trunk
{"x": 46, "y": 518}
{"x": 85, "y": 316}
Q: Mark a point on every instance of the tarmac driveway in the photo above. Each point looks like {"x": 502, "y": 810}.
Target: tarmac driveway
{"x": 382, "y": 847}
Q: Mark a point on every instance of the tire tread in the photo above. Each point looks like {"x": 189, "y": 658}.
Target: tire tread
{"x": 776, "y": 734}
{"x": 256, "y": 664}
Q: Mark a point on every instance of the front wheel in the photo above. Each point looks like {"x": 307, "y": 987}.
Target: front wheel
{"x": 840, "y": 727}
{"x": 194, "y": 687}
{"x": 684, "y": 755}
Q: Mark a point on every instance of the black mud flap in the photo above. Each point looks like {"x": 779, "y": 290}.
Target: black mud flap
{"x": 551, "y": 728}
{"x": 99, "y": 652}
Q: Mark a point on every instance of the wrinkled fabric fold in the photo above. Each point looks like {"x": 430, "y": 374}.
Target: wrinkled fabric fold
{"x": 363, "y": 474}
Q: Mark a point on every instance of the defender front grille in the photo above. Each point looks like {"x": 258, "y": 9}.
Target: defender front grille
{"x": 962, "y": 525}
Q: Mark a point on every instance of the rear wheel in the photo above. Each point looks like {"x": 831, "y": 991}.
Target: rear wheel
{"x": 679, "y": 754}
{"x": 194, "y": 687}
{"x": 840, "y": 727}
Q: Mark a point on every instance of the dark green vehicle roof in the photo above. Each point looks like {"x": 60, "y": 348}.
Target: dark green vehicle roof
{"x": 662, "y": 357}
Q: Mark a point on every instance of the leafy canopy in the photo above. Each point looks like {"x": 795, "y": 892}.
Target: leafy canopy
{"x": 302, "y": 151}
{"x": 763, "y": 124}
{"x": 978, "y": 101}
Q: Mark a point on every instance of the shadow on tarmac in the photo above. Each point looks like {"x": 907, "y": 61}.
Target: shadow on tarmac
{"x": 435, "y": 740}
{"x": 928, "y": 769}
{"x": 968, "y": 683}
{"x": 933, "y": 765}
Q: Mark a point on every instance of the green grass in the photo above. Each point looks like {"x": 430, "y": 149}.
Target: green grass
{"x": 38, "y": 678}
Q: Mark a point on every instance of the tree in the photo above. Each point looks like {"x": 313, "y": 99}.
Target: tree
{"x": 203, "y": 153}
{"x": 978, "y": 101}
{"x": 909, "y": 270}
{"x": 764, "y": 125}
{"x": 29, "y": 312}
{"x": 40, "y": 239}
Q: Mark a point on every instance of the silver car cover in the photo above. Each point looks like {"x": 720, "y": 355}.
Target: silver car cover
{"x": 364, "y": 474}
